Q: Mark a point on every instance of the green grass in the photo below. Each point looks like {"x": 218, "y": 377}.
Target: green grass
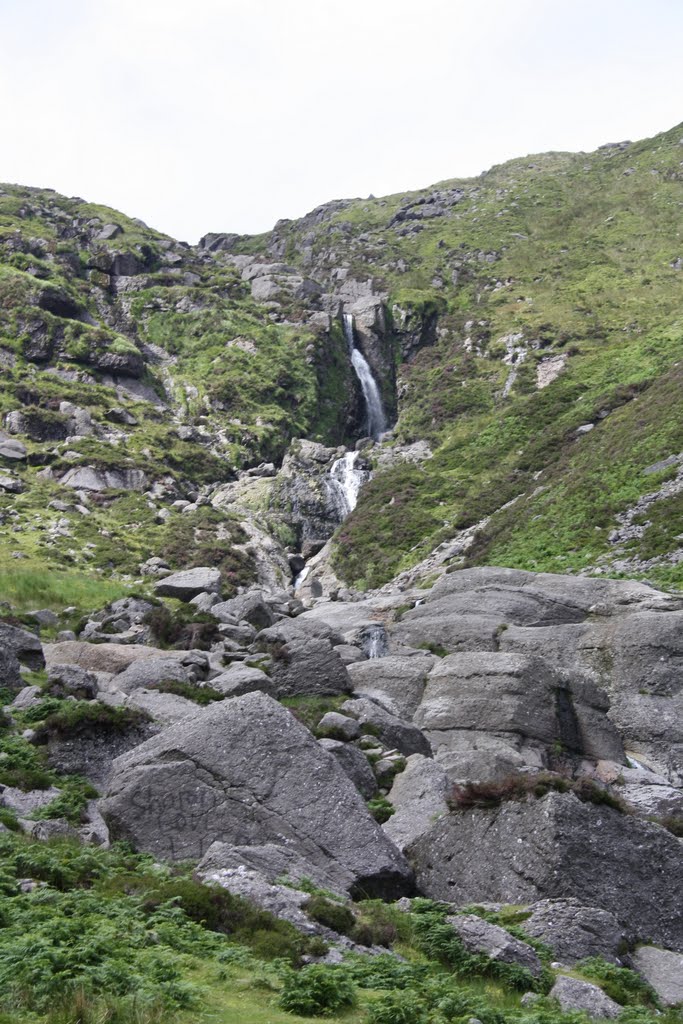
{"x": 31, "y": 587}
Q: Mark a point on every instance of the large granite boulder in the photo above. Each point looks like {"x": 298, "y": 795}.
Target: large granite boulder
{"x": 558, "y": 847}
{"x": 245, "y": 772}
{"x": 418, "y": 795}
{"x": 489, "y": 713}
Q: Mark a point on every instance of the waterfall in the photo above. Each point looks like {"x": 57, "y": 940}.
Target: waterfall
{"x": 374, "y": 411}
{"x": 344, "y": 483}
{"x": 374, "y": 642}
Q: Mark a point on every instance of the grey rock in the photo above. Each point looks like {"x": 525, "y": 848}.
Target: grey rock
{"x": 86, "y": 478}
{"x": 338, "y": 727}
{"x": 349, "y": 654}
{"x": 241, "y": 679}
{"x": 25, "y": 803}
{"x": 489, "y": 713}
{"x": 355, "y": 764}
{"x": 164, "y": 708}
{"x": 23, "y": 645}
{"x": 244, "y": 771}
{"x": 249, "y": 608}
{"x": 29, "y": 697}
{"x": 205, "y": 602}
{"x": 150, "y": 672}
{"x": 663, "y": 970}
{"x": 558, "y": 847}
{"x": 573, "y": 994}
{"x": 396, "y": 683}
{"x": 11, "y": 449}
{"x": 392, "y": 731}
{"x": 303, "y": 664}
{"x": 71, "y": 681}
{"x": 479, "y": 936}
{"x": 270, "y": 860}
{"x": 11, "y": 485}
{"x": 10, "y": 672}
{"x": 186, "y": 585}
{"x": 574, "y": 931}
{"x": 45, "y": 617}
{"x": 55, "y": 828}
{"x": 242, "y": 634}
{"x": 419, "y": 796}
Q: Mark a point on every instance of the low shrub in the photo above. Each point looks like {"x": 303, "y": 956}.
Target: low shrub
{"x": 523, "y": 787}
{"x": 624, "y": 986}
{"x": 184, "y": 629}
{"x": 77, "y": 717}
{"x": 199, "y": 694}
{"x": 317, "y": 990}
{"x": 331, "y": 914}
{"x": 380, "y": 808}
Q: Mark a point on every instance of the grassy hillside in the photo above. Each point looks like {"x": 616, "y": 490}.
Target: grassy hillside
{"x": 566, "y": 262}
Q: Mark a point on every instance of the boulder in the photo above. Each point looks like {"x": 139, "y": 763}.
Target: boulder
{"x": 573, "y": 994}
{"x": 558, "y": 847}
{"x": 574, "y": 931}
{"x": 391, "y": 731}
{"x": 163, "y": 708}
{"x": 419, "y": 796}
{"x": 241, "y": 679}
{"x": 115, "y": 658}
{"x": 11, "y": 449}
{"x": 396, "y": 683}
{"x": 479, "y": 936}
{"x": 663, "y": 970}
{"x": 355, "y": 764}
{"x": 487, "y": 714}
{"x": 86, "y": 478}
{"x": 188, "y": 584}
{"x": 10, "y": 672}
{"x": 150, "y": 672}
{"x": 245, "y": 772}
{"x": 303, "y": 664}
{"x": 23, "y": 645}
{"x": 249, "y": 608}
{"x": 71, "y": 681}
{"x": 338, "y": 727}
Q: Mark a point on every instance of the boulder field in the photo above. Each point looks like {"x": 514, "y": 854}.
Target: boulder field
{"x": 519, "y": 741}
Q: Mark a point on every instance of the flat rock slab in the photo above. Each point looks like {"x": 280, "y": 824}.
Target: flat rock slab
{"x": 246, "y": 772}
{"x": 188, "y": 584}
{"x": 113, "y": 658}
{"x": 396, "y": 683}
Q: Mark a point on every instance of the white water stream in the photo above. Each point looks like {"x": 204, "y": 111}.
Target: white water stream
{"x": 345, "y": 481}
{"x": 374, "y": 410}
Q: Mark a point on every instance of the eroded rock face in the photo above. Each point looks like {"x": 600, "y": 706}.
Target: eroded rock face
{"x": 244, "y": 771}
{"x": 489, "y": 713}
{"x": 479, "y": 936}
{"x": 558, "y": 847}
{"x": 303, "y": 664}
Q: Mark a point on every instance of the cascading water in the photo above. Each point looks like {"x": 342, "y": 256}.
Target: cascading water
{"x": 374, "y": 410}
{"x": 345, "y": 481}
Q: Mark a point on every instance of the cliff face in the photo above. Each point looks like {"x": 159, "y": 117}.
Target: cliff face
{"x": 524, "y": 327}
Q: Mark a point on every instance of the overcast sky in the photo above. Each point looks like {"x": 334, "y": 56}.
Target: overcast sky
{"x": 225, "y": 115}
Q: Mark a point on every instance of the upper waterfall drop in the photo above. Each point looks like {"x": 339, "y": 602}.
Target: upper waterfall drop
{"x": 374, "y": 410}
{"x": 345, "y": 481}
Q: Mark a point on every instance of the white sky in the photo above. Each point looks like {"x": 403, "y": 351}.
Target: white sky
{"x": 224, "y": 115}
